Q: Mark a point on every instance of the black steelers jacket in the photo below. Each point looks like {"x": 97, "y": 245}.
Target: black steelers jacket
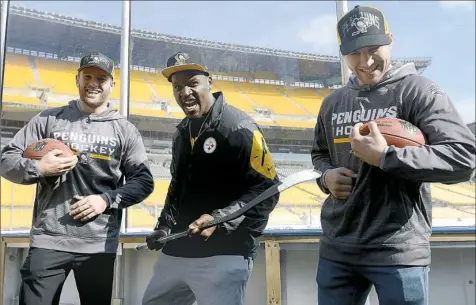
{"x": 228, "y": 166}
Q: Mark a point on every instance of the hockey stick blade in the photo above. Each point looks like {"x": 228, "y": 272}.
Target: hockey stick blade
{"x": 289, "y": 181}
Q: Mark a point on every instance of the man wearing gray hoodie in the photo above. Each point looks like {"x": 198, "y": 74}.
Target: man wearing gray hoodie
{"x": 376, "y": 221}
{"x": 79, "y": 200}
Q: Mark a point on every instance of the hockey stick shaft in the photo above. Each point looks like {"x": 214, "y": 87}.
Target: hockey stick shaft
{"x": 289, "y": 181}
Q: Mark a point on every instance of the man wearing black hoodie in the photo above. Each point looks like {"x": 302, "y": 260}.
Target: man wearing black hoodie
{"x": 376, "y": 221}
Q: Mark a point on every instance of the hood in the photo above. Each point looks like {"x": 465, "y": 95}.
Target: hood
{"x": 397, "y": 72}
{"x": 109, "y": 114}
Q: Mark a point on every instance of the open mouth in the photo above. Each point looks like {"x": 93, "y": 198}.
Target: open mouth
{"x": 370, "y": 70}
{"x": 92, "y": 92}
{"x": 190, "y": 105}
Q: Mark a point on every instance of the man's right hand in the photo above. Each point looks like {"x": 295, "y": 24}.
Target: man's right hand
{"x": 339, "y": 182}
{"x": 52, "y": 165}
{"x": 152, "y": 239}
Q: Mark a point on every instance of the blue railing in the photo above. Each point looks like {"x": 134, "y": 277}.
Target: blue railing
{"x": 279, "y": 233}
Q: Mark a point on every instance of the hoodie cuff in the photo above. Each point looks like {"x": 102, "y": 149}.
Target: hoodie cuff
{"x": 106, "y": 198}
{"x": 382, "y": 157}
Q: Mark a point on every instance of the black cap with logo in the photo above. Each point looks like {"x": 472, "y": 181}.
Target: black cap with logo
{"x": 363, "y": 26}
{"x": 183, "y": 62}
{"x": 98, "y": 60}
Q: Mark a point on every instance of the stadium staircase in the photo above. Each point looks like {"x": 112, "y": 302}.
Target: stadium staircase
{"x": 34, "y": 69}
{"x": 154, "y": 93}
{"x": 283, "y": 93}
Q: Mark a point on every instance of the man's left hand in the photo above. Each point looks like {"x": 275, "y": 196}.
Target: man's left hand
{"x": 87, "y": 207}
{"x": 195, "y": 226}
{"x": 368, "y": 148}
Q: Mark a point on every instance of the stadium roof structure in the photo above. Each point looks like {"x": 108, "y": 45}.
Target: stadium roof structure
{"x": 113, "y": 42}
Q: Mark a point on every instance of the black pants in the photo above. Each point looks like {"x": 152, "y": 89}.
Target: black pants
{"x": 45, "y": 271}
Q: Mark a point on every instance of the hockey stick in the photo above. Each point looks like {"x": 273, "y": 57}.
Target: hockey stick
{"x": 289, "y": 181}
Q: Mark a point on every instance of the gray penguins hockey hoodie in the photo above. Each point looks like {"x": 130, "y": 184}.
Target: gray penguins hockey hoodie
{"x": 387, "y": 219}
{"x": 109, "y": 150}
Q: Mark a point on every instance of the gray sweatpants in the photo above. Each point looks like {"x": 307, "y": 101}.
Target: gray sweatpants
{"x": 216, "y": 280}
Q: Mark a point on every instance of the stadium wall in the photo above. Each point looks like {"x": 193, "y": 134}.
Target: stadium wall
{"x": 284, "y": 271}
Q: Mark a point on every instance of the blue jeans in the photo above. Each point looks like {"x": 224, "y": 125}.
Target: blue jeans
{"x": 343, "y": 284}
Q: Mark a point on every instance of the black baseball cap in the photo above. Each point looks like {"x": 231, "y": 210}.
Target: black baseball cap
{"x": 184, "y": 62}
{"x": 363, "y": 26}
{"x": 97, "y": 60}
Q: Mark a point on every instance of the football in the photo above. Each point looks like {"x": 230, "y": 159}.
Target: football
{"x": 37, "y": 150}
{"x": 397, "y": 132}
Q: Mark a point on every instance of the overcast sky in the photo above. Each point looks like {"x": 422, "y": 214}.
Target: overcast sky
{"x": 442, "y": 30}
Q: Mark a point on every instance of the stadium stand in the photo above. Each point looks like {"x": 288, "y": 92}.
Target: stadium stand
{"x": 297, "y": 206}
{"x": 19, "y": 73}
{"x": 58, "y": 77}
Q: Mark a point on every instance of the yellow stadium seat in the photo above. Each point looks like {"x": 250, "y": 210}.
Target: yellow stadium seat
{"x": 159, "y": 194}
{"x": 451, "y": 214}
{"x": 148, "y": 112}
{"x": 21, "y": 99}
{"x": 138, "y": 218}
{"x": 16, "y": 219}
{"x": 282, "y": 216}
{"x": 324, "y": 92}
{"x": 16, "y": 194}
{"x": 233, "y": 97}
{"x": 464, "y": 189}
{"x": 18, "y": 72}
{"x": 306, "y": 194}
{"x": 307, "y": 98}
{"x": 58, "y": 76}
{"x": 445, "y": 193}
{"x": 268, "y": 96}
{"x": 139, "y": 88}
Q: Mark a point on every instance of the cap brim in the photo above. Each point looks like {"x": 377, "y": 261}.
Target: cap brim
{"x": 365, "y": 41}
{"x": 167, "y": 72}
{"x": 95, "y": 66}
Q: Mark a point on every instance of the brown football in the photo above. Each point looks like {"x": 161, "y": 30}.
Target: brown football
{"x": 397, "y": 132}
{"x": 37, "y": 150}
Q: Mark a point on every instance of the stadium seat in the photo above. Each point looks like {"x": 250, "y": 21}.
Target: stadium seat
{"x": 15, "y": 219}
{"x": 21, "y": 99}
{"x": 268, "y": 97}
{"x": 148, "y": 112}
{"x": 284, "y": 217}
{"x": 160, "y": 191}
{"x": 452, "y": 194}
{"x": 448, "y": 213}
{"x": 306, "y": 97}
{"x": 19, "y": 74}
{"x": 306, "y": 194}
{"x": 234, "y": 97}
{"x": 58, "y": 76}
{"x": 16, "y": 194}
{"x": 146, "y": 87}
{"x": 138, "y": 218}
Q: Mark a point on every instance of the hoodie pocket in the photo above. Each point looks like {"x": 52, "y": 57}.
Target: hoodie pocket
{"x": 328, "y": 216}
{"x": 102, "y": 226}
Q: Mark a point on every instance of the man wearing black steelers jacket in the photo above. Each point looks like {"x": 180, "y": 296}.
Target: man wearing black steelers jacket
{"x": 220, "y": 161}
{"x": 377, "y": 219}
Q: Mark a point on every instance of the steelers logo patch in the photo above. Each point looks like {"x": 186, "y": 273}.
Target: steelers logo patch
{"x": 210, "y": 145}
